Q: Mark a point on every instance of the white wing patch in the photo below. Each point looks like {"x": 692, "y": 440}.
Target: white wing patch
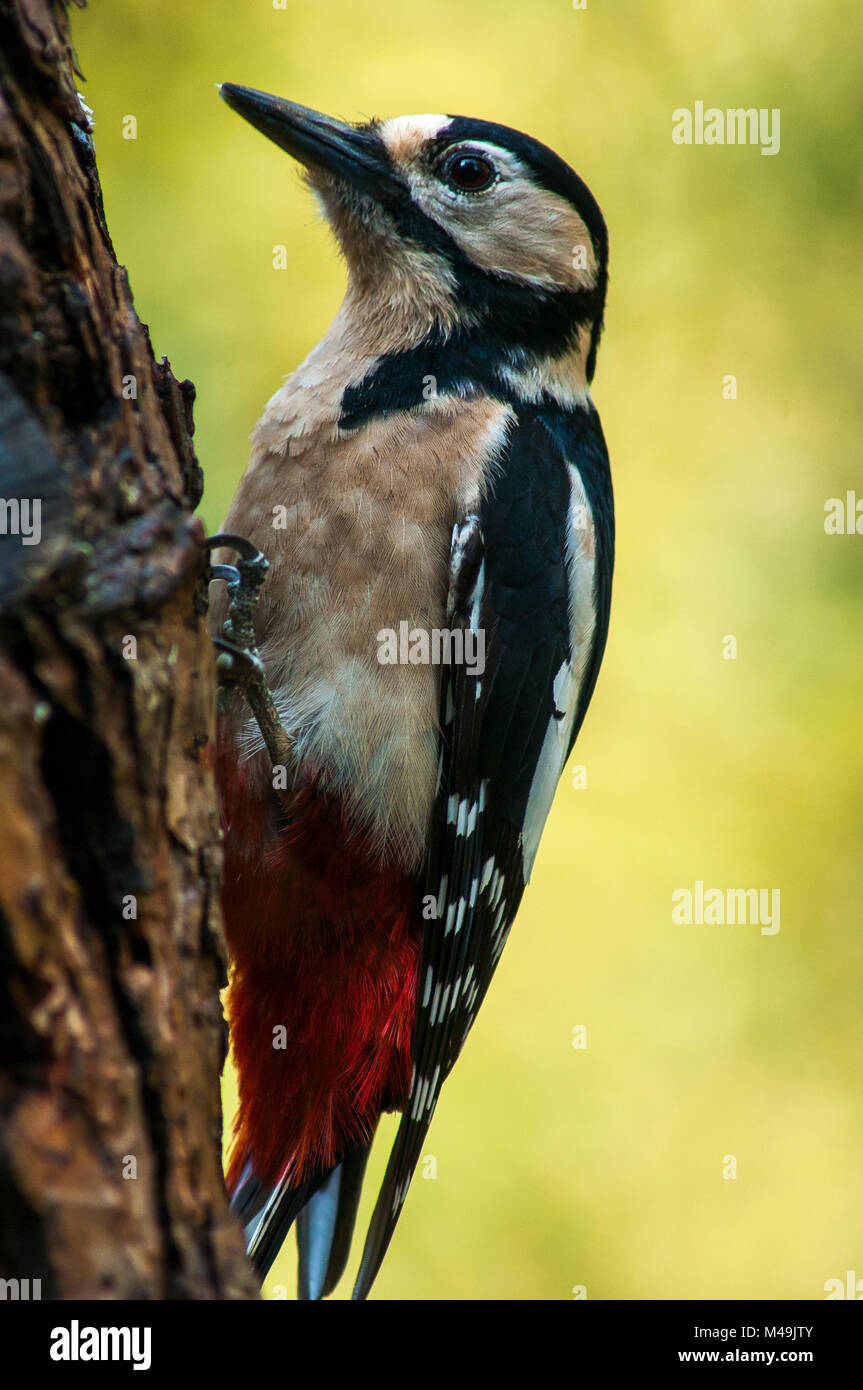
{"x": 581, "y": 562}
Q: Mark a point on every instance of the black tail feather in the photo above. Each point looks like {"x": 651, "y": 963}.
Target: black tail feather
{"x": 269, "y": 1213}
{"x": 326, "y": 1224}
{"x": 325, "y": 1209}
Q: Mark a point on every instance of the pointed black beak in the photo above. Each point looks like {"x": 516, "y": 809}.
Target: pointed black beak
{"x": 352, "y": 153}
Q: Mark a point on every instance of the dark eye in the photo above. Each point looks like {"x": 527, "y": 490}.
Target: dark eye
{"x": 469, "y": 173}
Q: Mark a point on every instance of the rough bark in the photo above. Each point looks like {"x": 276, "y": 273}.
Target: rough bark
{"x": 111, "y": 954}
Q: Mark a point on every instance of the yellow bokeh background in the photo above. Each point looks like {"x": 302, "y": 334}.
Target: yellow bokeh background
{"x": 601, "y": 1167}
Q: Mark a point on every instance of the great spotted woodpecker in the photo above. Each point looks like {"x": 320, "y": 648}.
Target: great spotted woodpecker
{"x": 434, "y": 466}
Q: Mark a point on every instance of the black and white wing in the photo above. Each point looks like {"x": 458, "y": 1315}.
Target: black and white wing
{"x": 523, "y": 572}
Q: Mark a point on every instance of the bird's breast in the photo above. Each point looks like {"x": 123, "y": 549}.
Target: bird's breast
{"x": 357, "y": 525}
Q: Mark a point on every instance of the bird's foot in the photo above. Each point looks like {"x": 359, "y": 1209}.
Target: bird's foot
{"x": 239, "y": 664}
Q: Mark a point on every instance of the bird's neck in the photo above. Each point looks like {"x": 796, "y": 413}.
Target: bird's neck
{"x": 402, "y": 360}
{"x": 396, "y": 315}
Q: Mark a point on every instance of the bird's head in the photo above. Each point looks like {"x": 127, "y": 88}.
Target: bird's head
{"x": 461, "y": 229}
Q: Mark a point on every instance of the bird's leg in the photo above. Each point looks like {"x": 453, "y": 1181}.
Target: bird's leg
{"x": 239, "y": 664}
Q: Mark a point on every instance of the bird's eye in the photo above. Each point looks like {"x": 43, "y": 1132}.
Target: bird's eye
{"x": 468, "y": 173}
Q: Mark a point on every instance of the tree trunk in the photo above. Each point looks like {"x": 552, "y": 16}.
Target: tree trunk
{"x": 111, "y": 950}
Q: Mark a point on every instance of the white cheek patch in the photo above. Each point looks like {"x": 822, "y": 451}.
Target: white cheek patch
{"x": 517, "y": 228}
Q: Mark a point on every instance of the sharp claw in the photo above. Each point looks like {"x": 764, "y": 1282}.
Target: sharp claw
{"x": 227, "y": 572}
{"x": 250, "y": 660}
{"x": 244, "y": 580}
{"x": 230, "y": 541}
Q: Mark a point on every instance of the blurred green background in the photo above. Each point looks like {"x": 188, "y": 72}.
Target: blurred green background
{"x": 602, "y": 1167}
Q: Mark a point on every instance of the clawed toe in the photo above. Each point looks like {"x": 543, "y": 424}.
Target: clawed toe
{"x": 239, "y": 663}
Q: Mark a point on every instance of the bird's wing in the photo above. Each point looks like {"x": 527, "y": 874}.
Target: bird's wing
{"x": 520, "y": 575}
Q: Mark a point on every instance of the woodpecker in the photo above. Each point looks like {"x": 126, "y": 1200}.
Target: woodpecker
{"x": 435, "y": 466}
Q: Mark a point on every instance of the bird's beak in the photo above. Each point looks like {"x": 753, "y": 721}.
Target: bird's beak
{"x": 321, "y": 143}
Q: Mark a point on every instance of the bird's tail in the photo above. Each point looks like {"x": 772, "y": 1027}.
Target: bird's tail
{"x": 324, "y": 1207}
{"x": 326, "y": 1224}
